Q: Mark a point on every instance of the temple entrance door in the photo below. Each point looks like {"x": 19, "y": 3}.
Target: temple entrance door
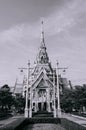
{"x": 39, "y": 106}
{"x": 42, "y": 106}
{"x": 45, "y": 106}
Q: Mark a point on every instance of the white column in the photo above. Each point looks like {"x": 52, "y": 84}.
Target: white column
{"x": 54, "y": 94}
{"x": 58, "y": 92}
{"x": 36, "y": 103}
{"x": 48, "y": 100}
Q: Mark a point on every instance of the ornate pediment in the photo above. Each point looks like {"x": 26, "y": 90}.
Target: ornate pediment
{"x": 42, "y": 81}
{"x": 44, "y": 84}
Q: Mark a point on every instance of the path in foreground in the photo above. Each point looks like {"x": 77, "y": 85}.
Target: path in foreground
{"x": 43, "y": 126}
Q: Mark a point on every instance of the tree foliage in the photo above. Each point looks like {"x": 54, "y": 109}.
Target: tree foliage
{"x": 67, "y": 100}
{"x": 10, "y": 102}
{"x": 19, "y": 104}
{"x": 6, "y": 98}
{"x": 74, "y": 99}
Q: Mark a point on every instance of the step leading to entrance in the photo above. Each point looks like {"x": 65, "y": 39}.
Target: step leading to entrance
{"x": 42, "y": 114}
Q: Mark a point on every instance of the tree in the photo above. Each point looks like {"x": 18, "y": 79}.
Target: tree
{"x": 80, "y": 96}
{"x": 19, "y": 104}
{"x": 67, "y": 100}
{"x": 6, "y": 98}
{"x": 74, "y": 99}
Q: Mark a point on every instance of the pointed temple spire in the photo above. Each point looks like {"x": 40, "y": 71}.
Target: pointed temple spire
{"x": 42, "y": 57}
{"x": 42, "y": 34}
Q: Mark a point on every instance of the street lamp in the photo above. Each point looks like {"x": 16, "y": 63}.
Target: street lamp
{"x": 26, "y": 98}
{"x": 26, "y": 114}
{"x": 58, "y": 92}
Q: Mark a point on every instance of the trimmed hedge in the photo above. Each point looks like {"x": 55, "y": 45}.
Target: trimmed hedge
{"x": 70, "y": 125}
{"x": 43, "y": 120}
{"x": 37, "y": 120}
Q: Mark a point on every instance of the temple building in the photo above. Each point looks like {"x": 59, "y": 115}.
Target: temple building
{"x": 42, "y": 83}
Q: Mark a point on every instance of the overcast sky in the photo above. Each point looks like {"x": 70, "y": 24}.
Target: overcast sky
{"x": 65, "y": 36}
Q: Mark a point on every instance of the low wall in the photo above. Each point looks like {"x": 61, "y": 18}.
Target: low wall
{"x": 70, "y": 125}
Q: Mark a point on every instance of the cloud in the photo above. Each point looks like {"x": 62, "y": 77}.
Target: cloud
{"x": 59, "y": 21}
{"x": 67, "y": 17}
{"x": 65, "y": 35}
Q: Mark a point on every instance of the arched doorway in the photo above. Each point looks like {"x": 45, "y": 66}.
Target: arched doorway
{"x": 42, "y": 106}
{"x": 39, "y": 106}
{"x": 45, "y": 106}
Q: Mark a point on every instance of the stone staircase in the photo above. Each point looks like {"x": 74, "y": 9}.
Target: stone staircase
{"x": 43, "y": 117}
{"x": 42, "y": 114}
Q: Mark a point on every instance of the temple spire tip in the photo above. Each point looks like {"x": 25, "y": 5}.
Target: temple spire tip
{"x": 42, "y": 33}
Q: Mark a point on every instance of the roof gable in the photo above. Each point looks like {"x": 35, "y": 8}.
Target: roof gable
{"x": 42, "y": 80}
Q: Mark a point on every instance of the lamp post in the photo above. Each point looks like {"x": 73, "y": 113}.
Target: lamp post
{"x": 30, "y": 109}
{"x": 26, "y": 98}
{"x": 58, "y": 92}
{"x": 26, "y": 114}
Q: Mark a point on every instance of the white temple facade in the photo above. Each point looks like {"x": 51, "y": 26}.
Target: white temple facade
{"x": 42, "y": 89}
{"x": 42, "y": 82}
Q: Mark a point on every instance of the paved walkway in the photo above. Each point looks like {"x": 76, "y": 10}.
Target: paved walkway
{"x": 43, "y": 126}
{"x": 9, "y": 120}
{"x": 78, "y": 119}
